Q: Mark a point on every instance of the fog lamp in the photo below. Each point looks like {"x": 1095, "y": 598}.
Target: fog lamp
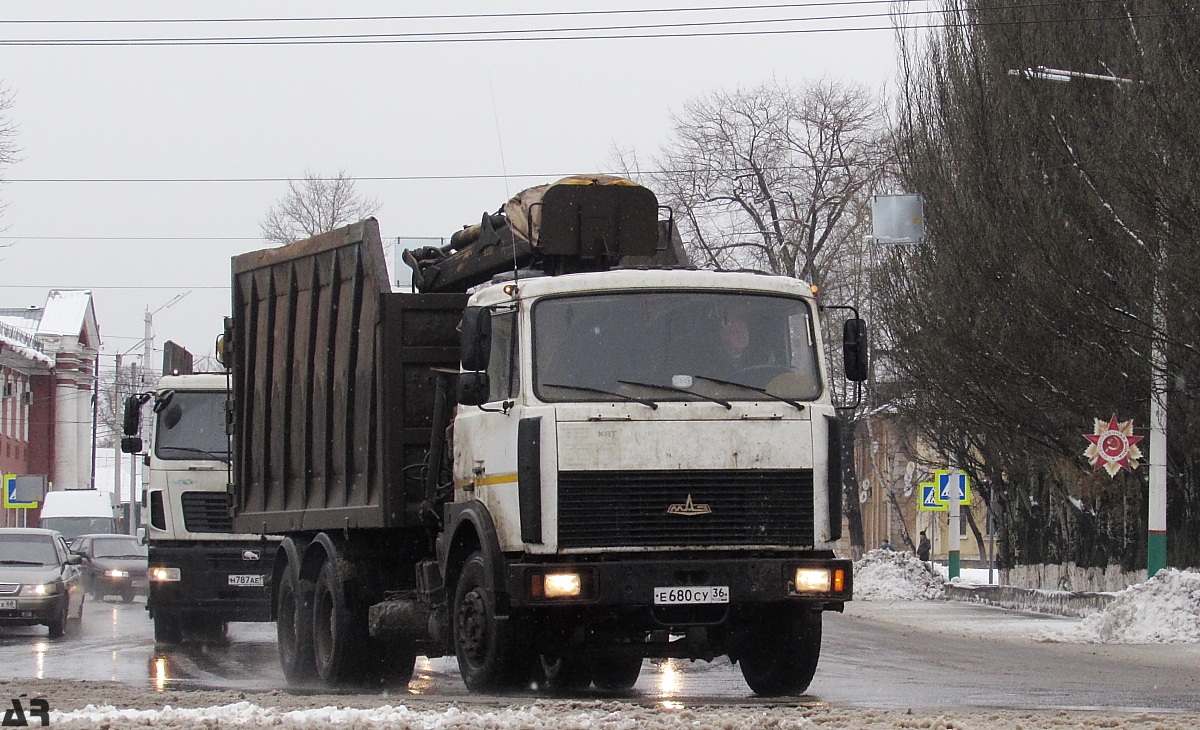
{"x": 562, "y": 585}
{"x": 812, "y": 580}
{"x": 164, "y": 574}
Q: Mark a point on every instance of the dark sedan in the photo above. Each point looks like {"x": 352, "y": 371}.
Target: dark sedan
{"x": 113, "y": 565}
{"x": 40, "y": 580}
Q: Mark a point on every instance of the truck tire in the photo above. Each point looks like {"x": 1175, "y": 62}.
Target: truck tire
{"x": 563, "y": 674}
{"x": 337, "y": 636}
{"x": 613, "y": 673}
{"x": 167, "y": 628}
{"x": 391, "y": 667}
{"x": 784, "y": 660}
{"x": 294, "y": 628}
{"x": 489, "y": 655}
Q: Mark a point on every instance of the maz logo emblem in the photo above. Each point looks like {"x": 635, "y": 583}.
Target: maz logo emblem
{"x": 250, "y": 555}
{"x": 687, "y": 509}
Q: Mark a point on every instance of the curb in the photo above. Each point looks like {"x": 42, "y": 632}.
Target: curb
{"x": 1061, "y": 603}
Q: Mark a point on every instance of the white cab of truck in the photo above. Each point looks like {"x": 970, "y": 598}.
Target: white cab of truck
{"x": 202, "y": 574}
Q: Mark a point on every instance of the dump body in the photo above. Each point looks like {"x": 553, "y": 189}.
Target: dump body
{"x": 333, "y": 385}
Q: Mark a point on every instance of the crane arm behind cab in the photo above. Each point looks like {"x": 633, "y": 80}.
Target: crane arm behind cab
{"x": 580, "y": 223}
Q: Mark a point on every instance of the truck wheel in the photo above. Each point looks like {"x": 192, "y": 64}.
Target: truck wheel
{"x": 489, "y": 657}
{"x": 336, "y": 638}
{"x": 616, "y": 673}
{"x": 784, "y": 659}
{"x": 392, "y": 666}
{"x": 294, "y": 628}
{"x": 127, "y": 596}
{"x": 167, "y": 629}
{"x": 563, "y": 674}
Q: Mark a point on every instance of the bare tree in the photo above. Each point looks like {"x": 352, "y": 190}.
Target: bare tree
{"x": 314, "y": 205}
{"x": 9, "y": 152}
{"x": 773, "y": 177}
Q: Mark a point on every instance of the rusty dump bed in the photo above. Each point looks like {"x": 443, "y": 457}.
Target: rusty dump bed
{"x": 332, "y": 385}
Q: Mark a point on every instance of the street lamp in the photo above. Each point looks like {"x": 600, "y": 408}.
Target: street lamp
{"x": 1156, "y": 539}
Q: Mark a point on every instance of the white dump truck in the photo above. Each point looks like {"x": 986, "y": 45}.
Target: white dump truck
{"x": 595, "y": 457}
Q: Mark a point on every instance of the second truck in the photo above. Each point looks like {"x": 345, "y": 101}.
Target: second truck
{"x": 597, "y": 456}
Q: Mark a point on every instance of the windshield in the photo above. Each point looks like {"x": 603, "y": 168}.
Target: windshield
{"x": 113, "y": 547}
{"x": 73, "y": 527}
{"x": 192, "y": 426}
{"x": 674, "y": 346}
{"x": 27, "y": 550}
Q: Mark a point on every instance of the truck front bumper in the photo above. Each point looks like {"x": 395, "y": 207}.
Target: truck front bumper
{"x": 217, "y": 579}
{"x": 823, "y": 583}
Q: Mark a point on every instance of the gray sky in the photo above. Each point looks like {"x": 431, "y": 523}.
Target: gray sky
{"x": 469, "y": 111}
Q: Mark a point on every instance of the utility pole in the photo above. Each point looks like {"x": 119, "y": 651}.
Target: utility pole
{"x": 116, "y": 436}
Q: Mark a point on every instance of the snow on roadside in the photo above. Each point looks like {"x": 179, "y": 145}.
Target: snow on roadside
{"x": 886, "y": 575}
{"x": 1163, "y": 610}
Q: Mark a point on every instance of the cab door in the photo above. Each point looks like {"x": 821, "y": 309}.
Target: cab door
{"x": 485, "y": 435}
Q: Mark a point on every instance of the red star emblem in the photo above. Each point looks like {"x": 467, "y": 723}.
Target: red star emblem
{"x": 1113, "y": 446}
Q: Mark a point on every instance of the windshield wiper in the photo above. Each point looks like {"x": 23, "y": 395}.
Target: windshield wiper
{"x": 586, "y": 389}
{"x": 754, "y": 388}
{"x": 673, "y": 389}
{"x": 21, "y": 562}
{"x": 214, "y": 454}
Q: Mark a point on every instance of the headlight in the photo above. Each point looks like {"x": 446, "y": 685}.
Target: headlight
{"x": 812, "y": 580}
{"x": 41, "y": 589}
{"x": 164, "y": 574}
{"x": 563, "y": 585}
{"x": 117, "y": 574}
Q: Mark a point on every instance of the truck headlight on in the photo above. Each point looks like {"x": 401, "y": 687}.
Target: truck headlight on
{"x": 116, "y": 573}
{"x": 819, "y": 580}
{"x": 560, "y": 585}
{"x": 164, "y": 575}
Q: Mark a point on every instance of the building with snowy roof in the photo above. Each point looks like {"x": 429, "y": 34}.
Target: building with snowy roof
{"x": 48, "y": 361}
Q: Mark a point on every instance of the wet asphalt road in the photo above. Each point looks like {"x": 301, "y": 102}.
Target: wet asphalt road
{"x": 927, "y": 655}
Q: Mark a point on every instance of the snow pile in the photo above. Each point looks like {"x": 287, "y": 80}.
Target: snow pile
{"x": 1163, "y": 610}
{"x": 886, "y": 575}
{"x": 538, "y": 716}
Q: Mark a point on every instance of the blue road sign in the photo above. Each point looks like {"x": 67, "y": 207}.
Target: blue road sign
{"x": 929, "y": 500}
{"x": 962, "y": 484}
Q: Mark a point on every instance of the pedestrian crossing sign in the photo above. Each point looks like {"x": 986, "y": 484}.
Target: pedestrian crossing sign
{"x": 929, "y": 499}
{"x": 962, "y": 483}
{"x": 10, "y": 494}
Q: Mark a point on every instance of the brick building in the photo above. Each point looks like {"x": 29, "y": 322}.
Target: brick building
{"x": 48, "y": 359}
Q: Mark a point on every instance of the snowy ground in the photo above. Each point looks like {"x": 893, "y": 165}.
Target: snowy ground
{"x": 890, "y": 587}
{"x": 1162, "y": 610}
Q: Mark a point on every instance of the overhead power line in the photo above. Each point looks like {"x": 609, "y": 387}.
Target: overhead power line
{"x": 598, "y": 32}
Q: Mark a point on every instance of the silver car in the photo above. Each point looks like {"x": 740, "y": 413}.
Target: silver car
{"x": 40, "y": 581}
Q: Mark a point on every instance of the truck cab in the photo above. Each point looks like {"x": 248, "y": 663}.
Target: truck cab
{"x": 202, "y": 574}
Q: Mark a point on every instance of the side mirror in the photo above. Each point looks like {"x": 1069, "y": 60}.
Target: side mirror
{"x": 854, "y": 349}
{"x": 131, "y": 445}
{"x": 475, "y": 341}
{"x": 131, "y": 420}
{"x": 473, "y": 388}
{"x": 74, "y": 559}
{"x": 224, "y": 349}
{"x": 141, "y": 535}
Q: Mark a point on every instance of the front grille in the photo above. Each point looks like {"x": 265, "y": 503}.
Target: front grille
{"x": 9, "y": 588}
{"x": 206, "y": 512}
{"x": 630, "y": 508}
